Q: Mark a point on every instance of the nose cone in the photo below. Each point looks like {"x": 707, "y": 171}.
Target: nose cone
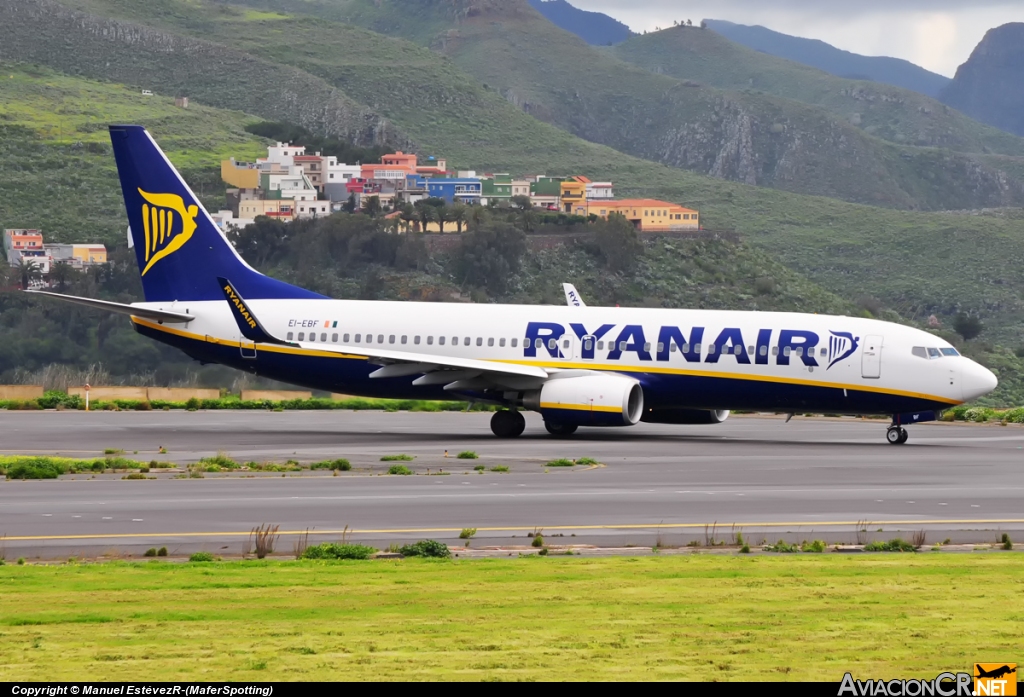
{"x": 977, "y": 380}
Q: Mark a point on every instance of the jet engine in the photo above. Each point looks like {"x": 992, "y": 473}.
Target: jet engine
{"x": 684, "y": 416}
{"x": 588, "y": 400}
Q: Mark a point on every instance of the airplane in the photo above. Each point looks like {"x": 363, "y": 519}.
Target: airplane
{"x": 577, "y": 366}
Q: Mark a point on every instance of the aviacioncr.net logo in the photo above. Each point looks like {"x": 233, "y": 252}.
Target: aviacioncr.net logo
{"x": 167, "y": 224}
{"x": 944, "y": 685}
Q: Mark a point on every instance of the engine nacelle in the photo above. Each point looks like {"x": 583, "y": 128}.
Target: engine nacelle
{"x": 684, "y": 416}
{"x": 589, "y": 400}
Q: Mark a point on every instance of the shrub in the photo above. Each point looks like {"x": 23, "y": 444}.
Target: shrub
{"x": 894, "y": 545}
{"x": 333, "y": 550}
{"x": 468, "y": 455}
{"x": 745, "y": 549}
{"x": 201, "y": 556}
{"x": 397, "y": 458}
{"x": 162, "y": 552}
{"x": 467, "y": 533}
{"x": 561, "y": 462}
{"x": 193, "y": 404}
{"x": 151, "y": 552}
{"x": 143, "y": 406}
{"x": 134, "y": 475}
{"x": 113, "y": 451}
{"x": 499, "y": 468}
{"x": 426, "y": 548}
{"x": 586, "y": 461}
{"x": 36, "y": 468}
{"x": 543, "y": 551}
{"x": 782, "y": 547}
{"x": 1007, "y": 542}
{"x": 399, "y": 469}
{"x": 336, "y": 465}
{"x": 817, "y": 546}
{"x": 219, "y": 461}
{"x": 21, "y": 561}
{"x": 538, "y": 540}
{"x": 479, "y": 468}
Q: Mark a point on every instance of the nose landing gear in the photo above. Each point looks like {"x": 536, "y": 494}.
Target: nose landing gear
{"x": 896, "y": 435}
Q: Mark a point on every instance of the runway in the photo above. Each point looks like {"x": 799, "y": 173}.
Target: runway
{"x": 810, "y": 478}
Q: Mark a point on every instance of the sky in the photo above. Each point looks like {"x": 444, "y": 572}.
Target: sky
{"x": 936, "y": 34}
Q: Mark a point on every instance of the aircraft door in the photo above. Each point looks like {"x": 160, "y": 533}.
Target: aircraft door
{"x": 871, "y": 358}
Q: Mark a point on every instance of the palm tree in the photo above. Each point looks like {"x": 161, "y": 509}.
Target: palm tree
{"x": 477, "y": 217}
{"x": 60, "y": 273}
{"x": 408, "y": 215}
{"x": 30, "y": 271}
{"x": 457, "y": 214}
{"x": 372, "y": 207}
{"x": 426, "y": 214}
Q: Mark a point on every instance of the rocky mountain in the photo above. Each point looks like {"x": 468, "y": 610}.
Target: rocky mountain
{"x": 823, "y": 56}
{"x": 990, "y": 85}
{"x": 593, "y": 27}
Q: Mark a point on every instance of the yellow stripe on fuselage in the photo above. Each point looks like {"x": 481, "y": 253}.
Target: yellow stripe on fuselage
{"x": 609, "y": 368}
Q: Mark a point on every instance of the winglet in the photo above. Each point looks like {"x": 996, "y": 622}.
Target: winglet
{"x": 248, "y": 324}
{"x": 572, "y": 296}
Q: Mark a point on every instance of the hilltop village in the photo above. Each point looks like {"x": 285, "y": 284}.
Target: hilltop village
{"x": 290, "y": 184}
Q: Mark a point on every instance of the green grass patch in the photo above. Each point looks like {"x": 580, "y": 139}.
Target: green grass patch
{"x": 338, "y": 465}
{"x": 499, "y": 468}
{"x": 668, "y": 617}
{"x": 427, "y": 548}
{"x": 397, "y": 458}
{"x": 468, "y": 455}
{"x": 561, "y": 462}
{"x": 586, "y": 461}
{"x": 399, "y": 469}
{"x": 332, "y": 550}
{"x": 37, "y": 467}
{"x": 894, "y": 545}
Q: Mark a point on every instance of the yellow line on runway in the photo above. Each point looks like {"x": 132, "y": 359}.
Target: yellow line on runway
{"x": 530, "y": 528}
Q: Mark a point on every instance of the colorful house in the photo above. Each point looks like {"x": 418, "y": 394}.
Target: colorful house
{"x": 463, "y": 190}
{"x": 650, "y": 215}
{"x": 572, "y": 196}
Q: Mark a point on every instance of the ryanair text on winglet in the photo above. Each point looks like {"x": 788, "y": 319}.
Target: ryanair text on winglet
{"x": 242, "y": 309}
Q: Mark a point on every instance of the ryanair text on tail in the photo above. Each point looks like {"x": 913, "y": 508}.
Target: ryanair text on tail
{"x": 989, "y": 679}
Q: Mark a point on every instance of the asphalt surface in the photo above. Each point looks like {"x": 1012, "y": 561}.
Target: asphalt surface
{"x": 810, "y": 478}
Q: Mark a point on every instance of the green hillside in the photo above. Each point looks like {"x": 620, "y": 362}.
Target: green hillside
{"x": 891, "y": 113}
{"x": 57, "y": 168}
{"x": 522, "y": 63}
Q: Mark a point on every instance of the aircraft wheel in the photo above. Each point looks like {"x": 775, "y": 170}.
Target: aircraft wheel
{"x": 896, "y": 435}
{"x": 508, "y": 424}
{"x": 559, "y": 429}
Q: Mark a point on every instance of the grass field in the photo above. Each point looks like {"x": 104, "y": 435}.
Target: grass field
{"x": 699, "y": 617}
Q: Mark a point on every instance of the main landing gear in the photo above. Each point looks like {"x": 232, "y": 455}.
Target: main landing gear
{"x": 560, "y": 430}
{"x": 896, "y": 435}
{"x": 508, "y": 424}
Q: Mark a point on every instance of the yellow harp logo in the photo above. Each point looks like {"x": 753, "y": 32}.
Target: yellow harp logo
{"x": 164, "y": 234}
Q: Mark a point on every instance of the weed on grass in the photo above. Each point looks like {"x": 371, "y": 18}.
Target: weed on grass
{"x": 333, "y": 550}
{"x": 399, "y": 469}
{"x": 426, "y": 548}
{"x": 1007, "y": 543}
{"x": 894, "y": 545}
{"x": 339, "y": 465}
{"x": 467, "y": 533}
{"x": 499, "y": 468}
{"x": 397, "y": 458}
{"x": 586, "y": 461}
{"x": 201, "y": 557}
{"x": 561, "y": 462}
{"x": 468, "y": 455}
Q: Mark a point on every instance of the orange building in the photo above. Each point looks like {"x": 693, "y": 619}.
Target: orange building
{"x": 396, "y": 166}
{"x": 650, "y": 215}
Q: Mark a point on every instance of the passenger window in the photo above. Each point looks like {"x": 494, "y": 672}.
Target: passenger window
{"x": 787, "y": 351}
{"x": 334, "y": 338}
{"x": 775, "y": 350}
{"x": 302, "y": 336}
{"x": 312, "y": 336}
{"x": 440, "y": 341}
{"x": 697, "y": 348}
{"x": 799, "y": 351}
{"x": 552, "y": 344}
{"x": 369, "y": 338}
{"x": 750, "y": 350}
{"x": 538, "y": 344}
{"x": 391, "y": 339}
{"x": 661, "y": 347}
{"x": 565, "y": 344}
{"x": 711, "y": 349}
{"x": 686, "y": 348}
{"x": 345, "y": 339}
{"x": 416, "y": 340}
{"x": 588, "y": 345}
{"x": 291, "y": 335}
{"x": 490, "y": 342}
{"x": 763, "y": 350}
{"x": 455, "y": 341}
{"x": 515, "y": 342}
{"x": 323, "y": 338}
{"x": 501, "y": 342}
{"x": 672, "y": 347}
{"x": 919, "y": 351}
{"x": 479, "y": 341}
{"x": 467, "y": 341}
{"x": 600, "y": 345}
{"x": 405, "y": 339}
{"x": 380, "y": 339}
{"x": 738, "y": 350}
{"x": 359, "y": 338}
{"x": 647, "y": 346}
{"x": 430, "y": 341}
{"x": 934, "y": 353}
{"x": 622, "y": 345}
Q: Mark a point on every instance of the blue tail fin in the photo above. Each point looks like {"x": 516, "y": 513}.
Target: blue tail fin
{"x": 180, "y": 251}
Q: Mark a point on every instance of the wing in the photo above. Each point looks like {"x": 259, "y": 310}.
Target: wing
{"x": 456, "y": 374}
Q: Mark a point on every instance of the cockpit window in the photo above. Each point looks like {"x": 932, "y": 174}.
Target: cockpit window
{"x": 932, "y": 353}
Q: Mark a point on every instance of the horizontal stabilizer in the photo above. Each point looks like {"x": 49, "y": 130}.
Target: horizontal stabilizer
{"x": 121, "y": 308}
